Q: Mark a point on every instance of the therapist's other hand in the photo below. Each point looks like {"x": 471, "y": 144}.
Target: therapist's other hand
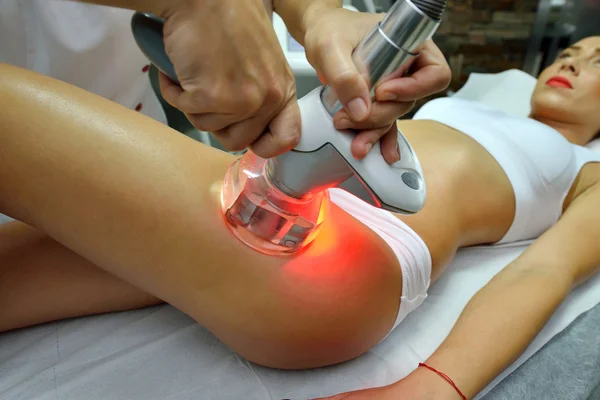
{"x": 234, "y": 79}
{"x": 330, "y": 38}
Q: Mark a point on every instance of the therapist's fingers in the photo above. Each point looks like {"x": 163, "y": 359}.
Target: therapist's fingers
{"x": 236, "y": 137}
{"x": 382, "y": 115}
{"x": 177, "y": 97}
{"x": 389, "y": 145}
{"x": 332, "y": 58}
{"x": 169, "y": 90}
{"x": 282, "y": 134}
{"x": 184, "y": 101}
{"x": 210, "y": 101}
{"x": 268, "y": 134}
{"x": 213, "y": 122}
{"x": 365, "y": 140}
{"x": 431, "y": 74}
{"x": 388, "y": 137}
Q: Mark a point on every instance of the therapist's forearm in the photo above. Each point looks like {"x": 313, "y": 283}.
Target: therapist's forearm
{"x": 158, "y": 7}
{"x": 297, "y": 14}
{"x": 497, "y": 325}
{"x": 164, "y": 8}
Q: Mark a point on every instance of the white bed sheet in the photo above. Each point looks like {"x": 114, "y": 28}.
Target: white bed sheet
{"x": 160, "y": 353}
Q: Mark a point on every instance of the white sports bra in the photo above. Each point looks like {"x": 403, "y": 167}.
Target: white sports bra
{"x": 540, "y": 163}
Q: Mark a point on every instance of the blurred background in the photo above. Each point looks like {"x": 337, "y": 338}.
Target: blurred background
{"x": 489, "y": 36}
{"x": 484, "y": 36}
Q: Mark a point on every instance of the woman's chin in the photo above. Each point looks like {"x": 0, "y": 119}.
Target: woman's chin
{"x": 551, "y": 101}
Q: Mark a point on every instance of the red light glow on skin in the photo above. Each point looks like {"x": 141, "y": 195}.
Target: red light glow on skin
{"x": 340, "y": 244}
{"x": 323, "y": 278}
{"x": 346, "y": 278}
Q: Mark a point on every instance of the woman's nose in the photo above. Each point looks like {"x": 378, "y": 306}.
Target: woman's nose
{"x": 570, "y": 64}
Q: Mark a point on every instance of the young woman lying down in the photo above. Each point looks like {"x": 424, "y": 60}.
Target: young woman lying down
{"x": 118, "y": 212}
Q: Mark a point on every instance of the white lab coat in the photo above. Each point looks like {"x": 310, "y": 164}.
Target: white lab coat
{"x": 86, "y": 45}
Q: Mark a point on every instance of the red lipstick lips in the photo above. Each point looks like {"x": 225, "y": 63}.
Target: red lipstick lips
{"x": 560, "y": 82}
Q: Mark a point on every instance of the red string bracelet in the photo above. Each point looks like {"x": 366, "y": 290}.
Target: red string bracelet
{"x": 446, "y": 378}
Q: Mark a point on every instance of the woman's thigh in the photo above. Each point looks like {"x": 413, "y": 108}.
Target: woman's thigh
{"x": 43, "y": 281}
{"x": 142, "y": 202}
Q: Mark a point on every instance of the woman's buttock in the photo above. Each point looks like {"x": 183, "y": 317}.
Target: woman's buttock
{"x": 469, "y": 197}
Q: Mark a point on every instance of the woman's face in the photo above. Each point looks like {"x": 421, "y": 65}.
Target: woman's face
{"x": 568, "y": 91}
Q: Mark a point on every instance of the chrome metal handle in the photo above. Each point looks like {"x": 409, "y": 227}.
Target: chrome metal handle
{"x": 389, "y": 48}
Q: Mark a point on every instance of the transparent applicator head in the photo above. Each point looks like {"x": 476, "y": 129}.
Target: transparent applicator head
{"x": 262, "y": 216}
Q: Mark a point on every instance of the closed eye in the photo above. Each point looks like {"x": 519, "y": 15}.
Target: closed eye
{"x": 563, "y": 56}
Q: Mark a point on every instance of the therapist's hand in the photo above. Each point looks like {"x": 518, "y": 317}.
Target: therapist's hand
{"x": 234, "y": 79}
{"x": 330, "y": 38}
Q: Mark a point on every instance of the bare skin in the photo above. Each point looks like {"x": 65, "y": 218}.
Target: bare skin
{"x": 141, "y": 204}
{"x": 171, "y": 241}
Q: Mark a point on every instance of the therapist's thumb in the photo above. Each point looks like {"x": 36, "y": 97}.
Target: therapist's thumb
{"x": 335, "y": 66}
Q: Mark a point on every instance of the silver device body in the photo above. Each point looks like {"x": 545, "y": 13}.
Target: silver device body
{"x": 386, "y": 52}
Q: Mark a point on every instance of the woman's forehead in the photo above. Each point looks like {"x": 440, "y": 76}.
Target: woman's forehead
{"x": 588, "y": 44}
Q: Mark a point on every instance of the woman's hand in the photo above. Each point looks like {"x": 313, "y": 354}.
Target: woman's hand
{"x": 380, "y": 393}
{"x": 330, "y": 38}
{"x": 234, "y": 79}
{"x": 419, "y": 385}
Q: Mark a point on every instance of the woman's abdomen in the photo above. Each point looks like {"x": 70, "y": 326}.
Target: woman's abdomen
{"x": 469, "y": 197}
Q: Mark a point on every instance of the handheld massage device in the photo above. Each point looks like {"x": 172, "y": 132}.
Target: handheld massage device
{"x": 277, "y": 206}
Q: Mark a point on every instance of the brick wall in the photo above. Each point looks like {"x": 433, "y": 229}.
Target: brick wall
{"x": 485, "y": 36}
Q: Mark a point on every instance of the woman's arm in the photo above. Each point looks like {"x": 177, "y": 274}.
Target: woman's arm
{"x": 141, "y": 202}
{"x": 505, "y": 316}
